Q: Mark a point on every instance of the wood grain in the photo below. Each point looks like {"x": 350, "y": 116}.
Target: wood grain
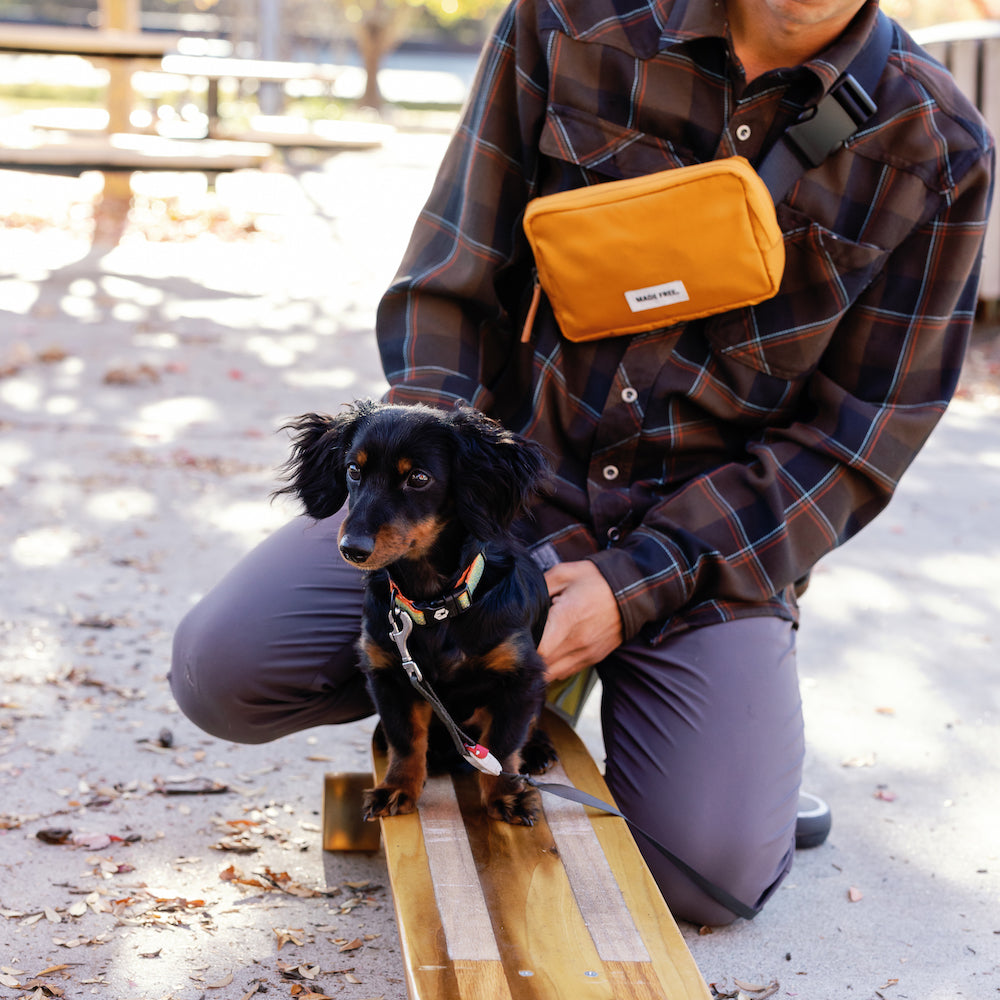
{"x": 564, "y": 910}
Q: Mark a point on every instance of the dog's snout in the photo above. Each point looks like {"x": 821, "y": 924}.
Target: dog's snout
{"x": 356, "y": 550}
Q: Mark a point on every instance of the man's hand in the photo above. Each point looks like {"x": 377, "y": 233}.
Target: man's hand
{"x": 584, "y": 624}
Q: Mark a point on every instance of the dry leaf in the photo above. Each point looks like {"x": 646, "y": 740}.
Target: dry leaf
{"x": 220, "y": 985}
{"x": 141, "y": 374}
{"x": 351, "y": 945}
{"x": 290, "y": 935}
{"x": 867, "y": 760}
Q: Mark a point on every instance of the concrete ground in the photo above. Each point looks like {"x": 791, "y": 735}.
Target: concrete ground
{"x": 141, "y": 388}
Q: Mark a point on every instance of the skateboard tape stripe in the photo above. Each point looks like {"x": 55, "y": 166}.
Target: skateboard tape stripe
{"x": 460, "y": 901}
{"x": 594, "y": 886}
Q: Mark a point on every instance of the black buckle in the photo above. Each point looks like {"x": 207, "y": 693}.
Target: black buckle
{"x": 834, "y": 120}
{"x": 444, "y": 607}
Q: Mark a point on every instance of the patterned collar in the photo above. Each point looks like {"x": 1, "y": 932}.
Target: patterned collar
{"x": 449, "y": 605}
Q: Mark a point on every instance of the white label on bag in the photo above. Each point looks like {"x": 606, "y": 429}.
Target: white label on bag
{"x": 655, "y": 296}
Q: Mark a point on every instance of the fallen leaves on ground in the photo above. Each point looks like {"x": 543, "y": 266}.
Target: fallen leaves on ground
{"x": 135, "y": 374}
{"x": 247, "y": 836}
{"x": 190, "y": 786}
{"x": 271, "y": 880}
{"x": 744, "y": 991}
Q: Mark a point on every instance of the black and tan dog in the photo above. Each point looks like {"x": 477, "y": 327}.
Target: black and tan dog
{"x": 432, "y": 495}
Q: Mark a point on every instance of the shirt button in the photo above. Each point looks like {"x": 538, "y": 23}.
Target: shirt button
{"x": 629, "y": 395}
{"x": 743, "y": 132}
{"x": 610, "y": 472}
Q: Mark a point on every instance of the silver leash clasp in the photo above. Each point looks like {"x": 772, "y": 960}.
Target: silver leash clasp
{"x": 400, "y": 627}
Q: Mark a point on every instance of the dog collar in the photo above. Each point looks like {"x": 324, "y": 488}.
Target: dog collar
{"x": 449, "y": 605}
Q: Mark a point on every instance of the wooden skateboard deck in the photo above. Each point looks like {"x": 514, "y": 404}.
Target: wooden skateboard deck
{"x": 564, "y": 909}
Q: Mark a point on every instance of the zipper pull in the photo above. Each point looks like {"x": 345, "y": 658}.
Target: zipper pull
{"x": 536, "y": 297}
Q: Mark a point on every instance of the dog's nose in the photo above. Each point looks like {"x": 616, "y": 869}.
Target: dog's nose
{"x": 356, "y": 550}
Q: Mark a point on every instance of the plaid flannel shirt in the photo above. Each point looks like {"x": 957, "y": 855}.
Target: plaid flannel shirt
{"x": 704, "y": 467}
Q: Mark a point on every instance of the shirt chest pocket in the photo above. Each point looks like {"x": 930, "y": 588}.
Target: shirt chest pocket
{"x": 585, "y": 149}
{"x": 787, "y": 335}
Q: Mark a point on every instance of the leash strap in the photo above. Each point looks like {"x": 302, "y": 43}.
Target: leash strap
{"x": 720, "y": 895}
{"x": 400, "y": 626}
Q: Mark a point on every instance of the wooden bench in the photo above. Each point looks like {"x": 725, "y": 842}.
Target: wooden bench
{"x": 214, "y": 69}
{"x": 92, "y": 43}
{"x": 127, "y": 152}
{"x": 285, "y": 132}
{"x": 563, "y": 910}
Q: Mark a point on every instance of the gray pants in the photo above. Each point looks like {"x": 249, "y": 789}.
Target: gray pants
{"x": 703, "y": 733}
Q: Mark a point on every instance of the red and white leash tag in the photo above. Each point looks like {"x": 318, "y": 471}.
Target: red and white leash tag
{"x": 481, "y": 759}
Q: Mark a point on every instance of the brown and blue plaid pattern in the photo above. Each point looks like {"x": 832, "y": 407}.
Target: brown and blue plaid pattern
{"x": 703, "y": 467}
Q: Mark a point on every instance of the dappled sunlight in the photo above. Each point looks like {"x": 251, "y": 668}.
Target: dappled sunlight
{"x": 980, "y": 571}
{"x": 247, "y": 522}
{"x": 20, "y": 394}
{"x": 45, "y": 547}
{"x": 122, "y": 504}
{"x": 18, "y": 296}
{"x": 282, "y": 352}
{"x": 330, "y": 378}
{"x": 839, "y": 596}
{"x": 13, "y": 454}
{"x": 124, "y": 290}
{"x": 167, "y": 419}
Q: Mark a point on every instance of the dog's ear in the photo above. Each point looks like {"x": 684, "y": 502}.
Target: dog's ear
{"x": 316, "y": 471}
{"x": 496, "y": 473}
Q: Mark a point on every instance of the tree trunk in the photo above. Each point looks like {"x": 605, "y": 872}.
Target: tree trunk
{"x": 373, "y": 47}
{"x": 382, "y": 26}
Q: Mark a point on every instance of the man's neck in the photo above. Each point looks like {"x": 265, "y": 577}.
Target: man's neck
{"x": 772, "y": 34}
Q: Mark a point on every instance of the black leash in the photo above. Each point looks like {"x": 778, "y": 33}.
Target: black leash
{"x": 720, "y": 895}
{"x": 400, "y": 626}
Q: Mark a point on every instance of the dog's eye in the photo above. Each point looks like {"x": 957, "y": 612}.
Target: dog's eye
{"x": 418, "y": 479}
{"x": 354, "y": 472}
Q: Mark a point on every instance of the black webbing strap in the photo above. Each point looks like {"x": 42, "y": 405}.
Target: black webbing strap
{"x": 726, "y": 899}
{"x": 835, "y": 119}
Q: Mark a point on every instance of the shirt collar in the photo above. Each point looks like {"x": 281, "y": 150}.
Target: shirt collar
{"x": 689, "y": 21}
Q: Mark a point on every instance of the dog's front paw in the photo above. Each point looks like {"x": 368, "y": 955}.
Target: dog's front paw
{"x": 518, "y": 807}
{"x": 538, "y": 754}
{"x": 385, "y": 800}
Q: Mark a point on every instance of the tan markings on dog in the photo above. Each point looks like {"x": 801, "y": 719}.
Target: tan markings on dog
{"x": 404, "y": 465}
{"x": 503, "y": 659}
{"x": 410, "y": 541}
{"x": 377, "y": 657}
{"x": 361, "y": 457}
{"x": 407, "y": 772}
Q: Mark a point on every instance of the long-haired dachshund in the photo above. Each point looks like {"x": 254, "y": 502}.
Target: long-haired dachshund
{"x": 432, "y": 496}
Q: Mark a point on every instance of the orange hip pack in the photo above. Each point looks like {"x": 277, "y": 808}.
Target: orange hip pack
{"x": 629, "y": 256}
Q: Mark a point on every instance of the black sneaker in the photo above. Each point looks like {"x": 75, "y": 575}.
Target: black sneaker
{"x": 812, "y": 826}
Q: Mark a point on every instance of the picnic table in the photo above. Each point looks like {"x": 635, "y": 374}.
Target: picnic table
{"x": 281, "y": 131}
{"x": 118, "y": 149}
{"x": 103, "y": 43}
